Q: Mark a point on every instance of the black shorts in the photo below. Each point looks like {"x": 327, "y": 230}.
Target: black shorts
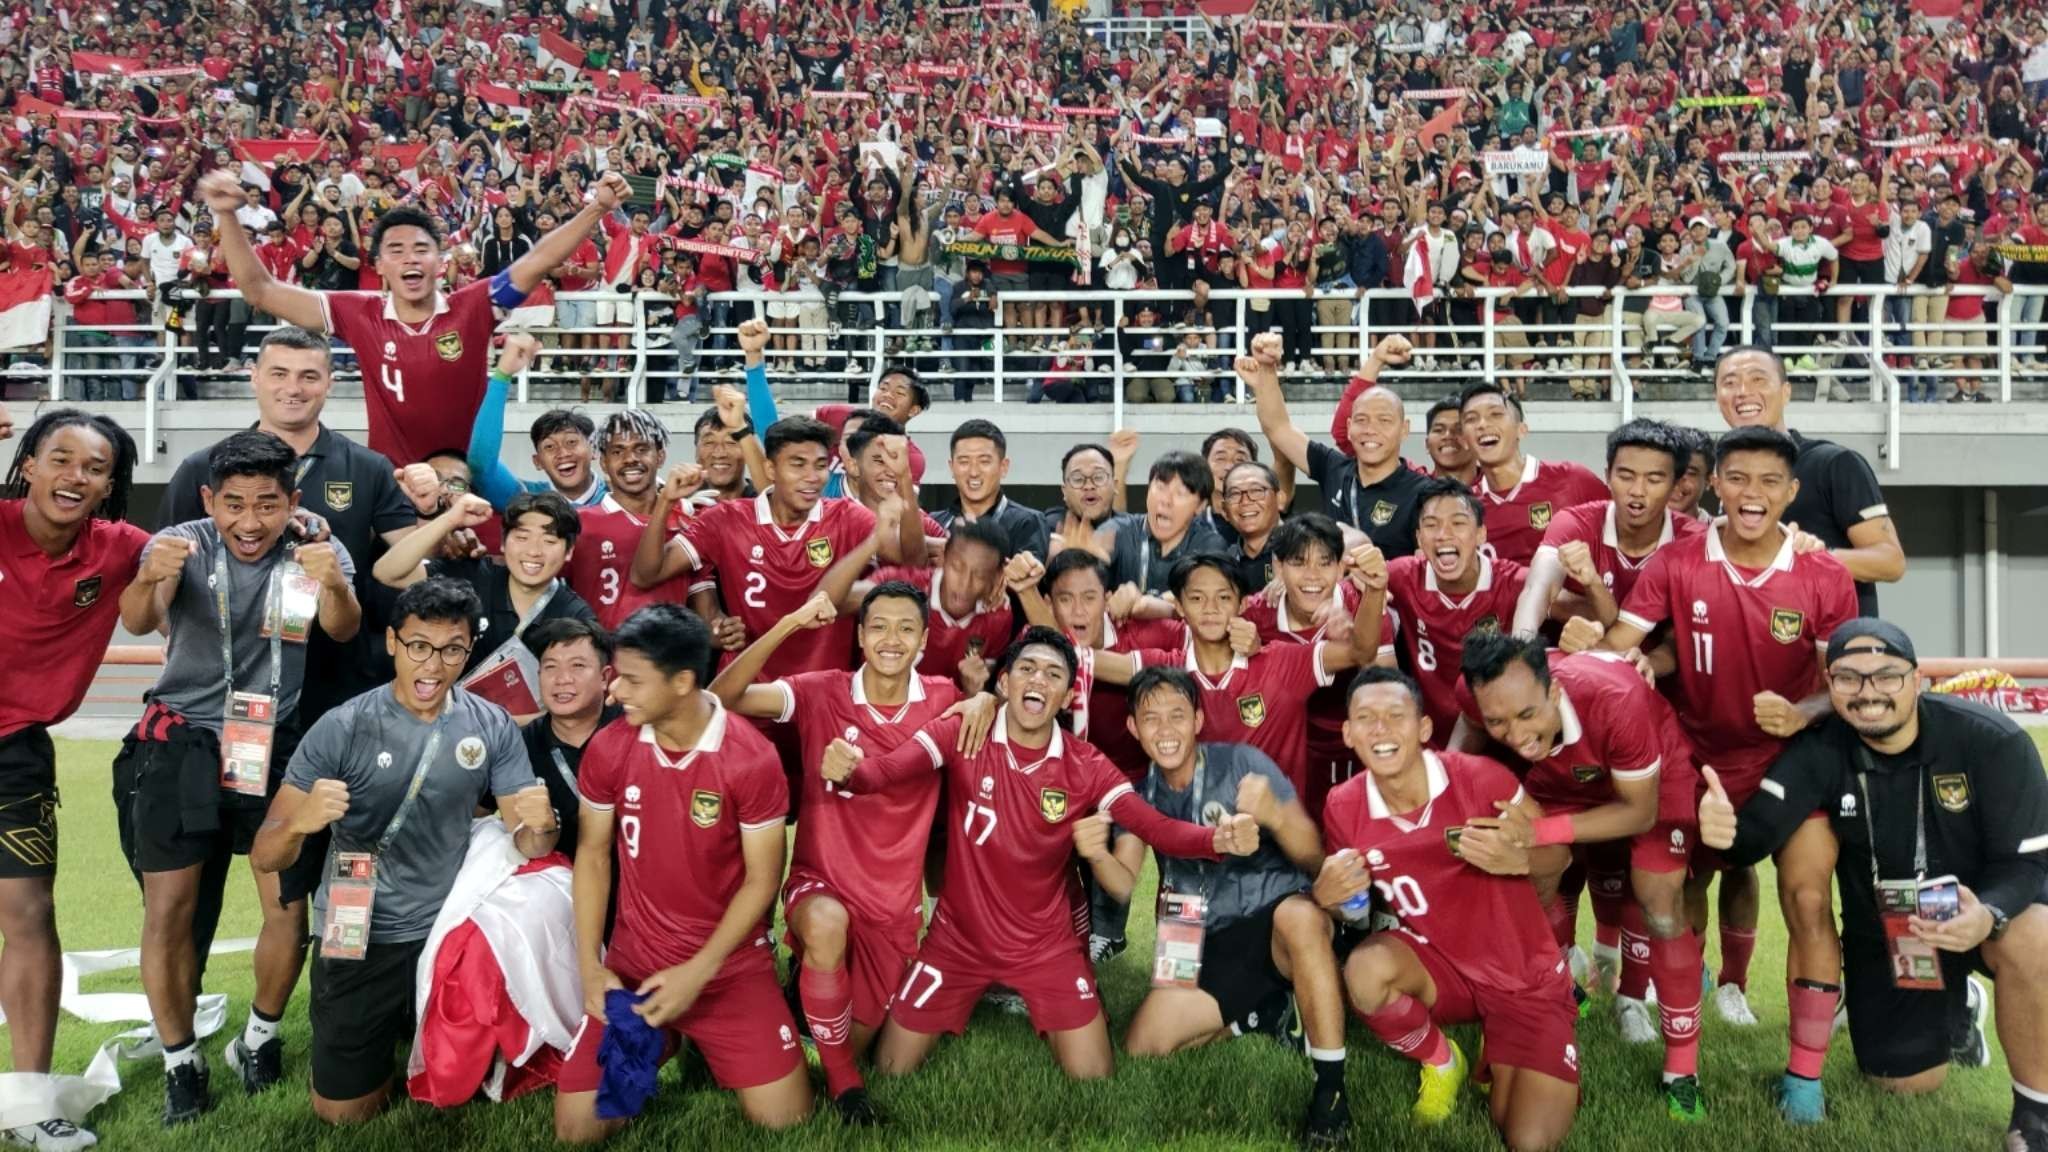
{"x": 360, "y": 1012}
{"x": 1048, "y": 277}
{"x": 1237, "y": 964}
{"x": 168, "y": 801}
{"x": 1861, "y": 271}
{"x": 28, "y": 805}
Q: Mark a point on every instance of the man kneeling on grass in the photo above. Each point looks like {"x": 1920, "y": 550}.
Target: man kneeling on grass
{"x": 1241, "y": 942}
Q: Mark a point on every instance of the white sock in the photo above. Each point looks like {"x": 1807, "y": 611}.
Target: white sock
{"x": 186, "y": 1053}
{"x": 258, "y": 1031}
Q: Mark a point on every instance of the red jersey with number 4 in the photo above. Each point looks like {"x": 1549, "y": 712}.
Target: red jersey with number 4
{"x": 1516, "y": 519}
{"x": 1010, "y": 835}
{"x": 1433, "y": 624}
{"x": 1616, "y": 727}
{"x": 1491, "y": 927}
{"x": 1592, "y": 524}
{"x": 1738, "y": 633}
{"x": 766, "y": 571}
{"x": 1261, "y": 701}
{"x": 677, "y": 819}
{"x": 947, "y": 638}
{"x": 869, "y": 845}
{"x": 422, "y": 384}
{"x": 600, "y": 567}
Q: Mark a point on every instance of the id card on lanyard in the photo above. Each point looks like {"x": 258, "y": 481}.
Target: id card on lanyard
{"x": 1916, "y": 966}
{"x": 1182, "y": 916}
{"x": 352, "y": 876}
{"x": 248, "y": 730}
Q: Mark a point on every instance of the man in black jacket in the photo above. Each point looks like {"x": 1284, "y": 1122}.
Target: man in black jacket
{"x": 1173, "y": 199}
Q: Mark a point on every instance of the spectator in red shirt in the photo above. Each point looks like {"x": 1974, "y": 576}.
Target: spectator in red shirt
{"x": 92, "y": 314}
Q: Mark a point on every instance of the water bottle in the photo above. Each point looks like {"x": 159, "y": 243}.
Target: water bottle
{"x": 1358, "y": 909}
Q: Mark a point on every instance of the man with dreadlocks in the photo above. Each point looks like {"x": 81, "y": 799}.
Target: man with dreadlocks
{"x": 66, "y": 551}
{"x": 632, "y": 449}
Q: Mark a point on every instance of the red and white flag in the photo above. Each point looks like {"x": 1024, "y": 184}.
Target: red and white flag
{"x": 536, "y": 311}
{"x": 1417, "y": 274}
{"x": 558, "y": 55}
{"x": 24, "y": 308}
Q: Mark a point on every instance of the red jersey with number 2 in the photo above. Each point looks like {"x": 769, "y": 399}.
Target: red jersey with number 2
{"x": 1432, "y": 625}
{"x": 422, "y": 384}
{"x": 766, "y": 571}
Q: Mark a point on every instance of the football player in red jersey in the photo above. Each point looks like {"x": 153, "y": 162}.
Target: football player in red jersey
{"x": 852, "y": 897}
{"x": 1594, "y": 551}
{"x": 1420, "y": 831}
{"x": 1451, "y": 586}
{"x": 632, "y": 449}
{"x": 1604, "y": 756}
{"x": 425, "y": 356}
{"x": 970, "y": 621}
{"x": 1751, "y": 604}
{"x": 687, "y": 806}
{"x": 1003, "y": 913}
{"x": 1521, "y": 492}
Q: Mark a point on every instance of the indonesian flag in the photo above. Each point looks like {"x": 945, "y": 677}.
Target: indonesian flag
{"x": 538, "y": 311}
{"x": 24, "y": 308}
{"x": 501, "y": 95}
{"x": 558, "y": 55}
{"x": 1222, "y": 8}
{"x": 100, "y": 65}
{"x": 407, "y": 155}
{"x": 266, "y": 153}
{"x": 1417, "y": 274}
{"x": 1440, "y": 123}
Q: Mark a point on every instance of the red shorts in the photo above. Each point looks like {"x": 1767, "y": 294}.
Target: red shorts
{"x": 740, "y": 1022}
{"x": 947, "y": 980}
{"x": 1530, "y": 1028}
{"x": 876, "y": 953}
{"x": 1327, "y": 768}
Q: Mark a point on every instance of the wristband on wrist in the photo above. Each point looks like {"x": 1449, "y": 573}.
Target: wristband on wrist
{"x": 499, "y": 377}
{"x": 1554, "y": 830}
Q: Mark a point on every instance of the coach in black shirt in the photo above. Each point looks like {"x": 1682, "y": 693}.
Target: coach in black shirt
{"x": 1839, "y": 499}
{"x": 1918, "y": 787}
{"x": 980, "y": 462}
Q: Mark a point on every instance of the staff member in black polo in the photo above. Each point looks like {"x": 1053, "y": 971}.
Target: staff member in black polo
{"x": 1918, "y": 788}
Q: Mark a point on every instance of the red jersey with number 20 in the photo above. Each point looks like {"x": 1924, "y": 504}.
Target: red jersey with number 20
{"x": 868, "y": 845}
{"x": 677, "y": 821}
{"x": 422, "y": 384}
{"x": 1491, "y": 927}
{"x": 1739, "y": 633}
{"x": 1433, "y": 625}
{"x": 766, "y": 571}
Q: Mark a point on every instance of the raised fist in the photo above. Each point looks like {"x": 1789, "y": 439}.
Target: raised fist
{"x": 221, "y": 190}
{"x": 1580, "y": 635}
{"x": 166, "y": 559}
{"x": 683, "y": 480}
{"x": 753, "y": 339}
{"x": 1576, "y": 556}
{"x": 1237, "y": 835}
{"x": 325, "y": 803}
{"x": 322, "y": 565}
{"x": 470, "y": 510}
{"x": 839, "y": 761}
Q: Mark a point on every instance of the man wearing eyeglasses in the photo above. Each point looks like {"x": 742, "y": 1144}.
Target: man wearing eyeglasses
{"x": 1939, "y": 812}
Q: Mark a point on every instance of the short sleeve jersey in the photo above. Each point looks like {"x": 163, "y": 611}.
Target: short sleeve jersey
{"x": 869, "y": 845}
{"x": 1516, "y": 519}
{"x": 1837, "y": 491}
{"x": 1260, "y": 701}
{"x": 61, "y": 608}
{"x": 1326, "y": 705}
{"x": 1739, "y": 633}
{"x": 677, "y": 820}
{"x": 1491, "y": 927}
{"x": 1432, "y": 626}
{"x": 422, "y": 384}
{"x": 1592, "y": 524}
{"x": 766, "y": 571}
{"x": 599, "y": 569}
{"x": 947, "y": 639}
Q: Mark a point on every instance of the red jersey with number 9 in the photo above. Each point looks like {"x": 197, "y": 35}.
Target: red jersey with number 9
{"x": 766, "y": 571}
{"x": 421, "y": 385}
{"x": 1432, "y": 625}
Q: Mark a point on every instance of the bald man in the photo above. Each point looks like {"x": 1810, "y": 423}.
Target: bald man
{"x": 1370, "y": 487}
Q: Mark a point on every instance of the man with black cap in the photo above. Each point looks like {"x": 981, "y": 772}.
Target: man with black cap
{"x": 1939, "y": 811}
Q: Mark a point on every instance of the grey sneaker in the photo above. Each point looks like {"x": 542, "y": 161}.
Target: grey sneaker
{"x": 56, "y": 1135}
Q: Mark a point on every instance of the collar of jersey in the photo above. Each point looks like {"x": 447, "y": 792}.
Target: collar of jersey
{"x": 1439, "y": 780}
{"x": 710, "y": 740}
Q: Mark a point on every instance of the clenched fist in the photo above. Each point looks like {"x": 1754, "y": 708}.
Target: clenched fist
{"x": 469, "y": 510}
{"x": 531, "y": 809}
{"x": 1576, "y": 557}
{"x": 731, "y": 404}
{"x": 753, "y": 340}
{"x": 517, "y": 354}
{"x": 166, "y": 559}
{"x": 1244, "y": 637}
{"x": 1368, "y": 568}
{"x": 1393, "y": 350}
{"x": 682, "y": 482}
{"x": 324, "y": 804}
{"x": 1237, "y": 835}
{"x": 1778, "y": 716}
{"x": 1022, "y": 572}
{"x": 1091, "y": 836}
{"x": 421, "y": 485}
{"x": 1580, "y": 635}
{"x": 816, "y": 612}
{"x": 610, "y": 192}
{"x": 321, "y": 564}
{"x": 1255, "y": 799}
{"x": 839, "y": 761}
{"x": 221, "y": 191}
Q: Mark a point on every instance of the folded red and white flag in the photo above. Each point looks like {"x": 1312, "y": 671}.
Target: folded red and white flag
{"x": 24, "y": 308}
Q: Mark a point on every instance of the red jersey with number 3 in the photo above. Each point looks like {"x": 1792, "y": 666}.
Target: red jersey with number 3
{"x": 766, "y": 571}
{"x": 1516, "y": 519}
{"x": 1738, "y": 633}
{"x": 422, "y": 384}
{"x": 1432, "y": 625}
{"x": 869, "y": 845}
{"x": 600, "y": 568}
{"x": 677, "y": 819}
{"x": 1491, "y": 927}
{"x": 1261, "y": 701}
{"x": 1592, "y": 524}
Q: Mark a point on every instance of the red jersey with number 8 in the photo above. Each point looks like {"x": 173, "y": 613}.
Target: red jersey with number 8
{"x": 1433, "y": 625}
{"x": 421, "y": 384}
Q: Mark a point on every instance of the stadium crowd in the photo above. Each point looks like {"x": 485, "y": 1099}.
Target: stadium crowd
{"x": 1379, "y": 741}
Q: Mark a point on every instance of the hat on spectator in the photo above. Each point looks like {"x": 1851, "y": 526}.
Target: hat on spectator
{"x": 1888, "y": 638}
{"x": 1699, "y": 222}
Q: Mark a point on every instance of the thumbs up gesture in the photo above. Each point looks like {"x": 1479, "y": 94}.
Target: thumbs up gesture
{"x": 1717, "y": 815}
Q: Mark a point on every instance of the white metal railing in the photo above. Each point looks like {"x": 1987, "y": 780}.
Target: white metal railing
{"x": 1143, "y": 31}
{"x": 847, "y": 341}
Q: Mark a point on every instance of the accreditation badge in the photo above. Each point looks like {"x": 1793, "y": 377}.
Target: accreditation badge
{"x": 1177, "y": 941}
{"x": 351, "y": 894}
{"x": 294, "y": 602}
{"x": 246, "y": 734}
{"x": 1916, "y": 966}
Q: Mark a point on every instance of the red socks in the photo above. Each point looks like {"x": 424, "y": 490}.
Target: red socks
{"x": 828, "y": 1009}
{"x": 1636, "y": 955}
{"x": 1737, "y": 946}
{"x": 1676, "y": 965}
{"x": 1404, "y": 1025}
{"x": 1811, "y": 1006}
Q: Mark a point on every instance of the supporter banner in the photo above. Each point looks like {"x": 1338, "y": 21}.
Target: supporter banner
{"x": 1718, "y": 101}
{"x": 1907, "y": 142}
{"x": 1939, "y": 151}
{"x": 905, "y": 90}
{"x": 1168, "y": 141}
{"x": 24, "y": 308}
{"x": 705, "y": 247}
{"x": 830, "y": 95}
{"x": 27, "y": 105}
{"x": 621, "y": 108}
{"x": 1765, "y": 158}
{"x": 103, "y": 65}
{"x": 1097, "y": 113}
{"x": 1516, "y": 163}
{"x": 1576, "y": 133}
{"x": 1036, "y": 253}
{"x": 407, "y": 155}
{"x": 1209, "y": 126}
{"x": 726, "y": 160}
{"x": 1307, "y": 25}
{"x": 1044, "y": 127}
{"x": 880, "y": 153}
{"x": 646, "y": 189}
{"x": 166, "y": 73}
{"x": 676, "y": 100}
{"x": 562, "y": 88}
{"x": 74, "y": 114}
{"x": 1414, "y": 94}
{"x": 708, "y": 187}
{"x": 940, "y": 71}
{"x": 2031, "y": 253}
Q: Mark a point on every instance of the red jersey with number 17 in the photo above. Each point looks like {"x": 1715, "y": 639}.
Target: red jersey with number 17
{"x": 677, "y": 822}
{"x": 1738, "y": 633}
{"x": 868, "y": 845}
{"x": 1491, "y": 927}
{"x": 1516, "y": 519}
{"x": 1592, "y": 524}
{"x": 1432, "y": 625}
{"x": 600, "y": 568}
{"x": 422, "y": 384}
{"x": 766, "y": 571}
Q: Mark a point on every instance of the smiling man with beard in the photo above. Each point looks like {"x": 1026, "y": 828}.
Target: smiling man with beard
{"x": 632, "y": 448}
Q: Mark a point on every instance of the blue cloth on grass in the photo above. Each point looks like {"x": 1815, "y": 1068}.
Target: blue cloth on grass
{"x": 628, "y": 1058}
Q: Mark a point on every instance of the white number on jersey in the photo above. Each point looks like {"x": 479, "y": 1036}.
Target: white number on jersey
{"x": 629, "y": 831}
{"x": 1403, "y": 893}
{"x": 608, "y": 581}
{"x": 757, "y": 586}
{"x": 1425, "y": 655}
{"x": 394, "y": 381}
{"x": 988, "y": 828}
{"x": 1703, "y": 652}
{"x": 918, "y": 971}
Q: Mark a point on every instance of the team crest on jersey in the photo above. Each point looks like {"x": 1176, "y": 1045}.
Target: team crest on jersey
{"x": 340, "y": 494}
{"x": 1382, "y": 513}
{"x": 1786, "y": 625}
{"x": 449, "y": 346}
{"x": 818, "y": 552}
{"x": 1952, "y": 792}
{"x": 1052, "y": 804}
{"x": 86, "y": 592}
{"x": 470, "y": 753}
{"x": 1586, "y": 773}
{"x": 1452, "y": 836}
{"x": 704, "y": 808}
{"x": 1251, "y": 710}
{"x": 1539, "y": 516}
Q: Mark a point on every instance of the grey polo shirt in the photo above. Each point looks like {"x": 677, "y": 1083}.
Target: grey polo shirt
{"x": 1237, "y": 887}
